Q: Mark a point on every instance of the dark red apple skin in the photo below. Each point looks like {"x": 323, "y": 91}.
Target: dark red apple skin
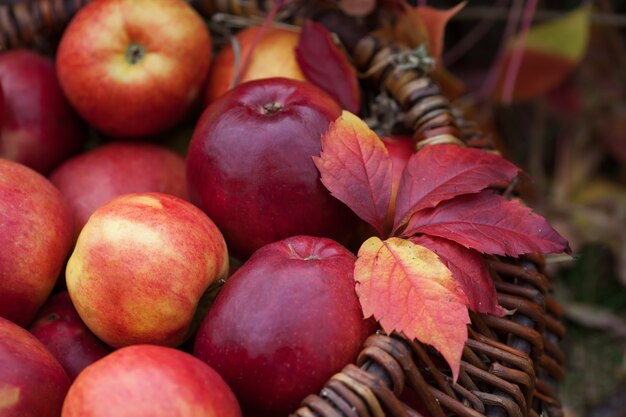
{"x": 252, "y": 171}
{"x": 92, "y": 179}
{"x": 59, "y": 327}
{"x": 32, "y": 382}
{"x": 285, "y": 322}
{"x": 39, "y": 127}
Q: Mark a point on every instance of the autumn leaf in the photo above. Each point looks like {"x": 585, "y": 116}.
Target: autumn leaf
{"x": 327, "y": 66}
{"x": 551, "y": 51}
{"x": 468, "y": 270}
{"x": 423, "y": 24}
{"x": 409, "y": 290}
{"x": 490, "y": 224}
{"x": 440, "y": 172}
{"x": 356, "y": 168}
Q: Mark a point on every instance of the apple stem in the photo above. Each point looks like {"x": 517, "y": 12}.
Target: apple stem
{"x": 135, "y": 53}
{"x": 272, "y": 108}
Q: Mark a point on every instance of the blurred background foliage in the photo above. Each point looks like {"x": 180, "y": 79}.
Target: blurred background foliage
{"x": 569, "y": 134}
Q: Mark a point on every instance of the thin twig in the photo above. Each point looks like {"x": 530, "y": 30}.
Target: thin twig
{"x": 492, "y": 77}
{"x": 596, "y": 318}
{"x": 234, "y": 42}
{"x": 266, "y": 23}
{"x": 518, "y": 53}
{"x": 471, "y": 38}
{"x": 552, "y": 259}
{"x": 616, "y": 42}
{"x": 241, "y": 22}
{"x": 537, "y": 149}
{"x": 502, "y": 13}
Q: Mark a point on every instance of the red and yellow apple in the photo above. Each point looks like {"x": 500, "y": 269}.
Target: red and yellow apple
{"x": 150, "y": 381}
{"x": 140, "y": 267}
{"x": 250, "y": 167}
{"x": 273, "y": 56}
{"x": 32, "y": 382}
{"x": 38, "y": 127}
{"x": 91, "y": 179}
{"x": 284, "y": 323}
{"x": 134, "y": 67}
{"x": 66, "y": 337}
{"x": 35, "y": 238}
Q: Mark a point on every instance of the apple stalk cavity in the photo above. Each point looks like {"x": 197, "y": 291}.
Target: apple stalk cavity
{"x": 135, "y": 53}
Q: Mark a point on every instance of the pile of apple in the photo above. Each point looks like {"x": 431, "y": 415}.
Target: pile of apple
{"x": 110, "y": 257}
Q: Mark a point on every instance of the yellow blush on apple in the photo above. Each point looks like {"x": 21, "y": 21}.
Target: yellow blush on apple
{"x": 140, "y": 267}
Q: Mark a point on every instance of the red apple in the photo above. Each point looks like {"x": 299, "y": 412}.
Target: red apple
{"x": 32, "y": 382}
{"x": 150, "y": 381}
{"x": 284, "y": 323}
{"x": 250, "y": 167}
{"x": 35, "y": 238}
{"x": 134, "y": 67}
{"x": 140, "y": 267}
{"x": 400, "y": 149}
{"x": 273, "y": 56}
{"x": 39, "y": 128}
{"x": 91, "y": 179}
{"x": 64, "y": 334}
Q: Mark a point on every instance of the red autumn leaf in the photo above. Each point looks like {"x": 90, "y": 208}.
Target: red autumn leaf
{"x": 440, "y": 172}
{"x": 417, "y": 25}
{"x": 356, "y": 168}
{"x": 490, "y": 224}
{"x": 409, "y": 290}
{"x": 539, "y": 73}
{"x": 468, "y": 270}
{"x": 326, "y": 66}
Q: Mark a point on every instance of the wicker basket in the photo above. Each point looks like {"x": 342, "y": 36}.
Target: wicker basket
{"x": 510, "y": 365}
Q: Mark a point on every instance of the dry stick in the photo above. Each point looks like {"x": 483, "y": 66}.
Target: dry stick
{"x": 615, "y": 38}
{"x": 492, "y": 77}
{"x": 516, "y": 59}
{"x": 495, "y": 13}
{"x": 537, "y": 148}
{"x": 248, "y": 57}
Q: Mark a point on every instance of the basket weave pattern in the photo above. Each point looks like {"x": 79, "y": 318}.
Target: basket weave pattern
{"x": 510, "y": 365}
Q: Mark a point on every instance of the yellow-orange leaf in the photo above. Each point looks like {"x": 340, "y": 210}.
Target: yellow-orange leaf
{"x": 408, "y": 289}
